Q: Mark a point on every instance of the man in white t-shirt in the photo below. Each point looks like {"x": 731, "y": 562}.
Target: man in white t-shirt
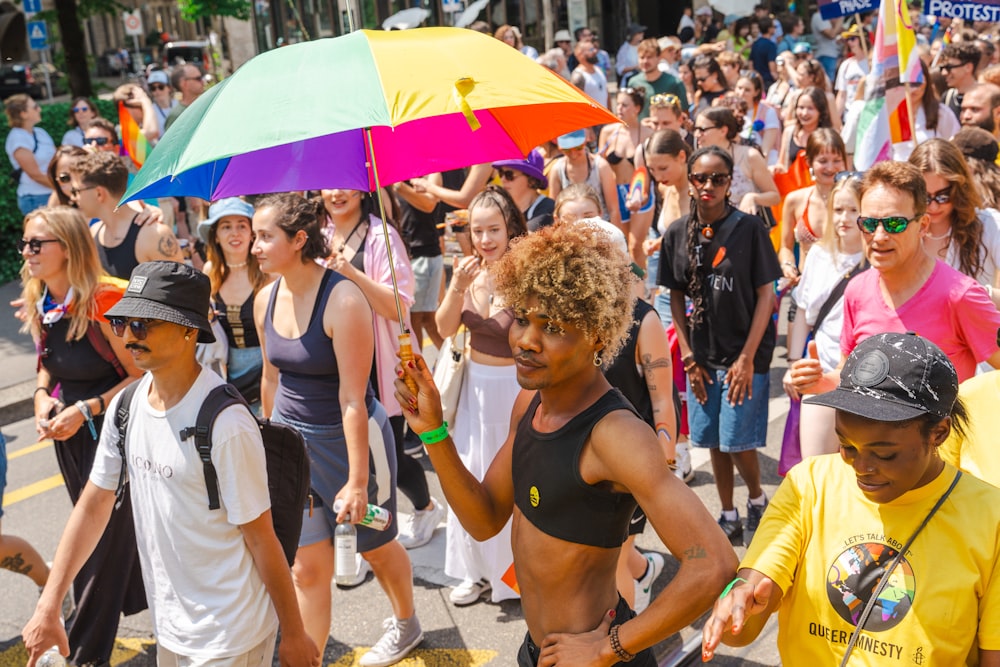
{"x": 217, "y": 582}
{"x": 587, "y": 76}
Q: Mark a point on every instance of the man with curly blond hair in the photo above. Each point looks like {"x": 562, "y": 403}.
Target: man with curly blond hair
{"x": 576, "y": 462}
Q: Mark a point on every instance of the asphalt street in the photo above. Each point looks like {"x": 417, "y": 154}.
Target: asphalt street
{"x": 36, "y": 507}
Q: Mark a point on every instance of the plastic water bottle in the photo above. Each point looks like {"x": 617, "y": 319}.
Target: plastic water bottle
{"x": 376, "y": 517}
{"x": 51, "y": 658}
{"x": 345, "y": 548}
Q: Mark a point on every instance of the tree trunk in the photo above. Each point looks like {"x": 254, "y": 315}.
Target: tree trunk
{"x": 73, "y": 44}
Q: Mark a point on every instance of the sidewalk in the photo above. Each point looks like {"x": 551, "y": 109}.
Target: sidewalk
{"x": 17, "y": 352}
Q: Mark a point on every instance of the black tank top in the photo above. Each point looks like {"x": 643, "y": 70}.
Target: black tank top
{"x": 120, "y": 260}
{"x": 623, "y": 374}
{"x": 238, "y": 323}
{"x": 548, "y": 488}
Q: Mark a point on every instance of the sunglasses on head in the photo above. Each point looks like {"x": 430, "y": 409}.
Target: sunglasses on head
{"x": 844, "y": 175}
{"x": 941, "y": 197}
{"x": 157, "y": 86}
{"x": 507, "y": 174}
{"x": 34, "y": 246}
{"x": 718, "y": 180}
{"x": 96, "y": 141}
{"x": 139, "y": 327}
{"x": 79, "y": 109}
{"x": 665, "y": 100}
{"x": 895, "y": 224}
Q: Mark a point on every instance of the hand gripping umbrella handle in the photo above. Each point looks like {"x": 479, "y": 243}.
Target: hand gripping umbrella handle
{"x": 406, "y": 355}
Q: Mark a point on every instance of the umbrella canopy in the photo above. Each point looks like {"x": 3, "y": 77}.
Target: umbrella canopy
{"x": 324, "y": 114}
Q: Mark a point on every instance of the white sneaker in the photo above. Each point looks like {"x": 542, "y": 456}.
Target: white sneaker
{"x": 360, "y": 574}
{"x": 418, "y": 528}
{"x": 469, "y": 592}
{"x": 684, "y": 471}
{"x": 644, "y": 586}
{"x": 399, "y": 639}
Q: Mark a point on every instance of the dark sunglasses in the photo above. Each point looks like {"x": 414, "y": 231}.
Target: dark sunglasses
{"x": 63, "y": 178}
{"x": 508, "y": 174}
{"x": 98, "y": 141}
{"x": 895, "y": 224}
{"x": 844, "y": 175}
{"x": 941, "y": 197}
{"x": 947, "y": 67}
{"x": 718, "y": 180}
{"x": 698, "y": 130}
{"x": 34, "y": 245}
{"x": 701, "y": 79}
{"x": 139, "y": 327}
{"x": 157, "y": 86}
{"x": 79, "y": 109}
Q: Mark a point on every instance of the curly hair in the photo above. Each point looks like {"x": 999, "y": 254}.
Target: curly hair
{"x": 295, "y": 214}
{"x": 987, "y": 177}
{"x": 696, "y": 280}
{"x": 945, "y": 159}
{"x": 577, "y": 276}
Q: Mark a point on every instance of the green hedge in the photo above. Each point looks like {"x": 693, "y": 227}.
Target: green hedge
{"x": 54, "y": 118}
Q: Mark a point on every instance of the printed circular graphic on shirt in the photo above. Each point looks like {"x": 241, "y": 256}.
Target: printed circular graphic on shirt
{"x": 853, "y": 578}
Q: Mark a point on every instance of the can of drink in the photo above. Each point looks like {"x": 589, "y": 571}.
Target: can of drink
{"x": 376, "y": 517}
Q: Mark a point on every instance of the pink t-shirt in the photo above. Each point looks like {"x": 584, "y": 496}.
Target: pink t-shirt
{"x": 950, "y": 309}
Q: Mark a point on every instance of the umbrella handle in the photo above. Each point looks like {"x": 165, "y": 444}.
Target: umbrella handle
{"x": 406, "y": 355}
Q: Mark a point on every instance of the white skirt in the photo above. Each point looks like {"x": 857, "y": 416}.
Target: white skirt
{"x": 481, "y": 427}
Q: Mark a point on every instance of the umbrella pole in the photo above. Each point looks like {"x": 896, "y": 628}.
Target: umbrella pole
{"x": 405, "y": 345}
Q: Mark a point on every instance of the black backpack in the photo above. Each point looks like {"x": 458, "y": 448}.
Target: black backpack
{"x": 284, "y": 449}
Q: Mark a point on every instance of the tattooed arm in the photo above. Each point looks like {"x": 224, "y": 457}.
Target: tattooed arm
{"x": 653, "y": 353}
{"x": 157, "y": 242}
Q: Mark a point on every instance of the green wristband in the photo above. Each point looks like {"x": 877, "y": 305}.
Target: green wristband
{"x": 731, "y": 585}
{"x": 435, "y": 436}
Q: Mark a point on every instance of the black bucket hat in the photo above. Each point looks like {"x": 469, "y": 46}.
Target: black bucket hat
{"x": 168, "y": 291}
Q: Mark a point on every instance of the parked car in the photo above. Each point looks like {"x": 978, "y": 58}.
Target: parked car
{"x": 193, "y": 52}
{"x": 29, "y": 78}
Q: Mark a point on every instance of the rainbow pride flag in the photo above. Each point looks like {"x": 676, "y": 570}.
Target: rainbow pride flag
{"x": 135, "y": 143}
{"x": 885, "y": 119}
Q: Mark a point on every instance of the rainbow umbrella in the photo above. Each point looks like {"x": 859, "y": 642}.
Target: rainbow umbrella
{"x": 361, "y": 110}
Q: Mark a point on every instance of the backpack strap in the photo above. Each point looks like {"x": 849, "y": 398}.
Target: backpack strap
{"x": 121, "y": 423}
{"x": 103, "y": 348}
{"x": 217, "y": 400}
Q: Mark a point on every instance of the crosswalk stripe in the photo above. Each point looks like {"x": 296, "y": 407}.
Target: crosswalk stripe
{"x": 25, "y": 492}
{"x": 30, "y": 449}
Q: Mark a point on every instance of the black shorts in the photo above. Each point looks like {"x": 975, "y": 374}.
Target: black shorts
{"x": 527, "y": 655}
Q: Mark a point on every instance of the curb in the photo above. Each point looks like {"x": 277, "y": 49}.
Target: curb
{"x": 17, "y": 401}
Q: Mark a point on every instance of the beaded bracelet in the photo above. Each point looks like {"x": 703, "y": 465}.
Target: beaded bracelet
{"x": 616, "y": 646}
{"x": 435, "y": 436}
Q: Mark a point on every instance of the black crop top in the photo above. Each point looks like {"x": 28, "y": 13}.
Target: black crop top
{"x": 549, "y": 490}
{"x": 489, "y": 335}
{"x": 237, "y": 322}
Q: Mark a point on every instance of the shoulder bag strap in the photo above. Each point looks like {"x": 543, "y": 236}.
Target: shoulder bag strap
{"x": 217, "y": 400}
{"x": 121, "y": 423}
{"x": 891, "y": 568}
{"x": 103, "y": 348}
{"x": 835, "y": 295}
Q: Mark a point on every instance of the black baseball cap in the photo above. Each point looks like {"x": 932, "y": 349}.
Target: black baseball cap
{"x": 168, "y": 291}
{"x": 893, "y": 377}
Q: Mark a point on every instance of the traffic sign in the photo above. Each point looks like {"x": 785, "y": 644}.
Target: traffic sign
{"x": 32, "y": 6}
{"x": 133, "y": 23}
{"x": 38, "y": 35}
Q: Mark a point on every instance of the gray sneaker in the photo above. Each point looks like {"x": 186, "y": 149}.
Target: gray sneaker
{"x": 399, "y": 639}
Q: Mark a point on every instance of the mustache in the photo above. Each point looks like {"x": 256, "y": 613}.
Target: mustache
{"x": 136, "y": 346}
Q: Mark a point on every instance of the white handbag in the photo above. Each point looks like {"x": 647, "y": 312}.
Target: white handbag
{"x": 449, "y": 374}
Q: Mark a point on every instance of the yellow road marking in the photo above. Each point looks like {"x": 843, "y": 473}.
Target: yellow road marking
{"x": 29, "y": 449}
{"x": 125, "y": 649}
{"x": 25, "y": 492}
{"x": 431, "y": 657}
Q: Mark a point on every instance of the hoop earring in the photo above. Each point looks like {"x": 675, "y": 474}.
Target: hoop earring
{"x": 597, "y": 358}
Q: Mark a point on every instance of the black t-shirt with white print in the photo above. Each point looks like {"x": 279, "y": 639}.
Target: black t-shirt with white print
{"x": 732, "y": 274}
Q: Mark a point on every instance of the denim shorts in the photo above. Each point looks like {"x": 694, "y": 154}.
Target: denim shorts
{"x": 427, "y": 272}
{"x": 29, "y": 203}
{"x": 729, "y": 428}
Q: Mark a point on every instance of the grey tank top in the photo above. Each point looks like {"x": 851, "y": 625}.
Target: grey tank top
{"x": 308, "y": 378}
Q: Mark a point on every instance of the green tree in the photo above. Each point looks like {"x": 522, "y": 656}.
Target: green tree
{"x": 192, "y": 10}
{"x": 69, "y": 14}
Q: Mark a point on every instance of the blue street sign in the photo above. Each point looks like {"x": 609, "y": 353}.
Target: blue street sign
{"x": 32, "y": 6}
{"x": 38, "y": 35}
